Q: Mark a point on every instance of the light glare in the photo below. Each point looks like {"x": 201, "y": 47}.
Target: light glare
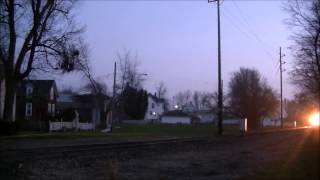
{"x": 314, "y": 119}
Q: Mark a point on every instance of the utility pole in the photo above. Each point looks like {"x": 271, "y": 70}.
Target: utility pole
{"x": 220, "y": 103}
{"x": 281, "y": 102}
{"x": 113, "y": 95}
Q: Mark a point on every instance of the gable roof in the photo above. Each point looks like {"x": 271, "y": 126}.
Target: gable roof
{"x": 40, "y": 87}
{"x": 81, "y": 100}
{"x": 155, "y": 98}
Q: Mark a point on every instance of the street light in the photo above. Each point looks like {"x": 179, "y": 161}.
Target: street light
{"x": 220, "y": 103}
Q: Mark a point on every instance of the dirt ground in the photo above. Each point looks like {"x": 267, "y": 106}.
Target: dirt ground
{"x": 249, "y": 157}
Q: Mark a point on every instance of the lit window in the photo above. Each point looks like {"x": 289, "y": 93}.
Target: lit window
{"x": 28, "y": 109}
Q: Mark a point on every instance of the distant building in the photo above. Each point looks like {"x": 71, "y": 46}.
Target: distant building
{"x": 271, "y": 122}
{"x": 206, "y": 116}
{"x": 188, "y": 108}
{"x": 36, "y": 103}
{"x": 155, "y": 108}
{"x": 178, "y": 117}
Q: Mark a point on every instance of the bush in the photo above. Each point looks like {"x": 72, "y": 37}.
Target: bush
{"x": 7, "y": 128}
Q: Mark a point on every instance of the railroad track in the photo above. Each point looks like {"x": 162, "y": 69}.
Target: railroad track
{"x": 60, "y": 151}
{"x": 55, "y": 151}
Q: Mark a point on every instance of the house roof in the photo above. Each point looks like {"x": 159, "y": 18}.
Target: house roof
{"x": 176, "y": 113}
{"x": 156, "y": 99}
{"x": 40, "y": 87}
{"x": 79, "y": 101}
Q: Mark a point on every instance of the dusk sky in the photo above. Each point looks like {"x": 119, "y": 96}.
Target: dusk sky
{"x": 176, "y": 41}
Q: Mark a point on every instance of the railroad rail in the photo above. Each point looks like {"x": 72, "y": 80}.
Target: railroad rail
{"x": 56, "y": 151}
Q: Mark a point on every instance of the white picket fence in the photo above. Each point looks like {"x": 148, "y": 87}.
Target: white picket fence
{"x": 57, "y": 126}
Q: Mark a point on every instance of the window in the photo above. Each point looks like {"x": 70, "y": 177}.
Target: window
{"x": 49, "y": 108}
{"x": 152, "y": 105}
{"x": 28, "y": 109}
{"x": 51, "y": 94}
{"x": 53, "y": 109}
{"x": 29, "y": 91}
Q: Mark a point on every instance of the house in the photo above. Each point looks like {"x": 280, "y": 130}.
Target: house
{"x": 90, "y": 108}
{"x": 178, "y": 117}
{"x": 36, "y": 103}
{"x": 154, "y": 109}
{"x": 189, "y": 108}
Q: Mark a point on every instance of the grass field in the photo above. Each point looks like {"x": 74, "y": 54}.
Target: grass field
{"x": 126, "y": 131}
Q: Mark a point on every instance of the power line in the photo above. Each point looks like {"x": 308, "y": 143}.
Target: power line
{"x": 250, "y": 27}
{"x": 247, "y": 33}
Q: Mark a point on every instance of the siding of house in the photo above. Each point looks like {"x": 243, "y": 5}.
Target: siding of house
{"x": 44, "y": 92}
{"x": 153, "y": 107}
{"x": 175, "y": 120}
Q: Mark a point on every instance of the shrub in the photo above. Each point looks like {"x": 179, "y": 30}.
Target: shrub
{"x": 7, "y": 128}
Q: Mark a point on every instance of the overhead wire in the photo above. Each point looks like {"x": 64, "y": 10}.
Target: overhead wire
{"x": 243, "y": 23}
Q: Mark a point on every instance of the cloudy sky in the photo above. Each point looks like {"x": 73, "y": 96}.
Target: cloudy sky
{"x": 176, "y": 41}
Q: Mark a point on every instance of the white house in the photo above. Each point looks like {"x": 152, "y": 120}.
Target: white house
{"x": 177, "y": 117}
{"x": 154, "y": 109}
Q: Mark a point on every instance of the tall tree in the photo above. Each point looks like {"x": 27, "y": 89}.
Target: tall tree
{"x": 134, "y": 102}
{"x": 37, "y": 35}
{"x": 305, "y": 22}
{"x": 251, "y": 97}
{"x": 129, "y": 71}
{"x": 183, "y": 98}
{"x": 161, "y": 90}
{"x": 162, "y": 93}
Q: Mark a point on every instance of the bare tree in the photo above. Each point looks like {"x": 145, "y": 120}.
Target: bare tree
{"x": 161, "y": 90}
{"x": 183, "y": 98}
{"x": 196, "y": 99}
{"x": 305, "y": 21}
{"x": 37, "y": 35}
{"x": 250, "y": 96}
{"x": 129, "y": 69}
{"x": 96, "y": 87}
{"x": 208, "y": 101}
